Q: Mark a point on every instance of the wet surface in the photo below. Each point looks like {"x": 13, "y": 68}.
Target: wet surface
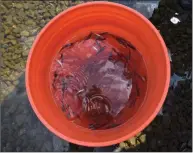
{"x": 96, "y": 81}
{"x": 171, "y": 130}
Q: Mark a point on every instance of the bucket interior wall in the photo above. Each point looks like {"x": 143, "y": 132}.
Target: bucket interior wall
{"x": 78, "y": 22}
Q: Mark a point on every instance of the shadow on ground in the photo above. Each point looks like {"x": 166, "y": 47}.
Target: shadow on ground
{"x": 22, "y": 131}
{"x": 20, "y": 128}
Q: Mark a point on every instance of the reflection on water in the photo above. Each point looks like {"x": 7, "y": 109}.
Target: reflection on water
{"x": 99, "y": 80}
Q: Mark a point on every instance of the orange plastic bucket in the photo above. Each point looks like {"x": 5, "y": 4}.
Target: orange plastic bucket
{"x": 97, "y": 16}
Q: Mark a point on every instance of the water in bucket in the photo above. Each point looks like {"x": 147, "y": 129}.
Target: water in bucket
{"x": 98, "y": 79}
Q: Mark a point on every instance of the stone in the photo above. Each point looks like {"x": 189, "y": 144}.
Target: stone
{"x": 20, "y": 119}
{"x": 138, "y": 142}
{"x": 66, "y": 146}
{"x": 16, "y": 82}
{"x": 18, "y": 35}
{"x": 18, "y": 51}
{"x": 138, "y": 134}
{"x": 184, "y": 150}
{"x": 52, "y": 12}
{"x": 14, "y": 56}
{"x": 29, "y": 149}
{"x": 7, "y": 4}
{"x": 5, "y": 46}
{"x": 23, "y": 39}
{"x": 8, "y": 147}
{"x": 16, "y": 30}
{"x": 30, "y": 23}
{"x": 21, "y": 131}
{"x": 3, "y": 10}
{"x": 57, "y": 144}
{"x": 16, "y": 20}
{"x": 17, "y": 66}
{"x": 34, "y": 31}
{"x": 12, "y": 77}
{"x": 122, "y": 145}
{"x": 41, "y": 10}
{"x": 46, "y": 15}
{"x": 25, "y": 6}
{"x": 47, "y": 20}
{"x": 43, "y": 22}
{"x": 7, "y": 31}
{"x": 21, "y": 14}
{"x": 3, "y": 50}
{"x": 47, "y": 146}
{"x": 9, "y": 18}
{"x": 17, "y": 74}
{"x": 25, "y": 52}
{"x": 133, "y": 141}
{"x": 58, "y": 9}
{"x": 24, "y": 33}
{"x": 18, "y": 56}
{"x": 183, "y": 146}
{"x": 10, "y": 37}
{"x": 190, "y": 143}
{"x": 12, "y": 109}
{"x": 142, "y": 138}
{"x": 30, "y": 13}
{"x": 18, "y": 5}
{"x": 2, "y": 35}
{"x": 11, "y": 88}
{"x": 18, "y": 149}
{"x": 13, "y": 42}
{"x": 29, "y": 41}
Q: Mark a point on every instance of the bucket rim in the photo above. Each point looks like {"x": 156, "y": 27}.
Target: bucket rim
{"x": 140, "y": 128}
